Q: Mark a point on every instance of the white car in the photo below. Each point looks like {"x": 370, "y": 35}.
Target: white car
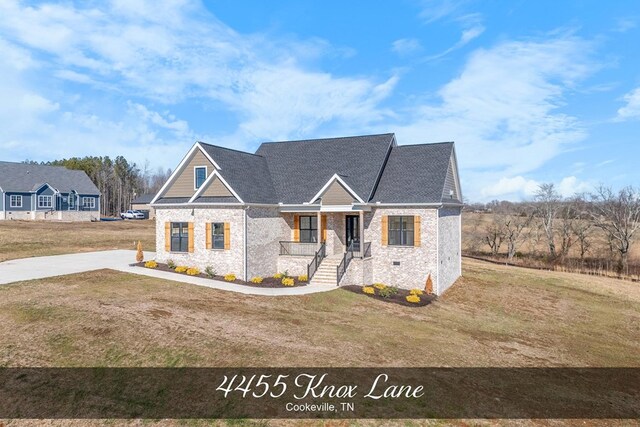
{"x": 131, "y": 214}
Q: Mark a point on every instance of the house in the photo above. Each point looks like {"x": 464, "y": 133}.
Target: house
{"x": 142, "y": 203}
{"x": 350, "y": 210}
{"x": 40, "y": 192}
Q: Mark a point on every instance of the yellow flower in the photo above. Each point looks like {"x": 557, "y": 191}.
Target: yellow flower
{"x": 151, "y": 264}
{"x": 288, "y": 281}
{"x": 256, "y": 280}
{"x": 413, "y": 298}
{"x": 229, "y": 277}
{"x": 368, "y": 290}
{"x": 379, "y": 285}
{"x": 278, "y": 276}
{"x": 181, "y": 269}
{"x": 303, "y": 278}
{"x": 193, "y": 271}
{"x": 416, "y": 292}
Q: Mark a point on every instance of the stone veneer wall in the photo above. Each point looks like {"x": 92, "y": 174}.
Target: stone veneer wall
{"x": 295, "y": 265}
{"x": 50, "y": 216}
{"x": 265, "y": 229}
{"x": 450, "y": 267}
{"x": 416, "y": 263}
{"x": 223, "y": 262}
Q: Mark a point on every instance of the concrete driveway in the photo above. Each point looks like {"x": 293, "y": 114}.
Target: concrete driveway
{"x": 17, "y": 270}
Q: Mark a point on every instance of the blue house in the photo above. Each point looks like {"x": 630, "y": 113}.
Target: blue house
{"x": 40, "y": 192}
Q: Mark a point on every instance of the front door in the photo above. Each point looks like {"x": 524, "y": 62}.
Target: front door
{"x": 353, "y": 230}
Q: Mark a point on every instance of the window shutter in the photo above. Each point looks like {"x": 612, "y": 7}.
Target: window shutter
{"x": 385, "y": 230}
{"x": 416, "y": 231}
{"x": 208, "y": 235}
{"x": 190, "y": 237}
{"x": 296, "y": 228}
{"x": 227, "y": 236}
{"x": 323, "y": 227}
{"x": 167, "y": 236}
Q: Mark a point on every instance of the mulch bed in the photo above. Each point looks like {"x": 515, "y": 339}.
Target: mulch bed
{"x": 399, "y": 298}
{"x": 267, "y": 282}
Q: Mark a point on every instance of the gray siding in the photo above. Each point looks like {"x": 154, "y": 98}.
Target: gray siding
{"x": 45, "y": 191}
{"x": 450, "y": 183}
{"x": 97, "y": 203}
{"x": 26, "y": 202}
{"x": 1, "y": 201}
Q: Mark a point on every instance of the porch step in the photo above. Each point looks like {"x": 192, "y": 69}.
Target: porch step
{"x": 326, "y": 272}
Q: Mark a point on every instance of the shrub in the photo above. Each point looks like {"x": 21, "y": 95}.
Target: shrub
{"x": 303, "y": 278}
{"x": 413, "y": 298}
{"x": 209, "y": 271}
{"x": 257, "y": 280}
{"x": 171, "y": 264}
{"x": 230, "y": 277}
{"x": 286, "y": 273}
{"x": 139, "y": 254}
{"x": 416, "y": 292}
{"x": 288, "y": 281}
{"x": 151, "y": 264}
{"x": 369, "y": 290}
{"x": 181, "y": 269}
{"x": 278, "y": 276}
{"x": 387, "y": 291}
{"x": 193, "y": 271}
{"x": 379, "y": 285}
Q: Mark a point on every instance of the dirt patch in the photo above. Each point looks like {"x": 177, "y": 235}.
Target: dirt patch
{"x": 399, "y": 298}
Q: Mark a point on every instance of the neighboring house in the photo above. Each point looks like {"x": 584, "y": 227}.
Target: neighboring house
{"x": 353, "y": 210}
{"x": 142, "y": 203}
{"x": 31, "y": 191}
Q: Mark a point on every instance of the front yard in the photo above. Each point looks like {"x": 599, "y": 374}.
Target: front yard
{"x": 494, "y": 316}
{"x": 22, "y": 239}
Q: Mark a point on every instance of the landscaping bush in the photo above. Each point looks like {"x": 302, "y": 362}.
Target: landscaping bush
{"x": 210, "y": 272}
{"x": 288, "y": 281}
{"x": 139, "y": 254}
{"x": 257, "y": 280}
{"x": 379, "y": 285}
{"x": 413, "y": 298}
{"x": 369, "y": 290}
{"x": 229, "y": 277}
{"x": 193, "y": 271}
{"x": 303, "y": 278}
{"x": 151, "y": 264}
{"x": 387, "y": 291}
{"x": 278, "y": 276}
{"x": 416, "y": 292}
{"x": 181, "y": 269}
{"x": 171, "y": 264}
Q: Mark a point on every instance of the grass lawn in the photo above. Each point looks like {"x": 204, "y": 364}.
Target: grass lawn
{"x": 22, "y": 239}
{"x": 495, "y": 316}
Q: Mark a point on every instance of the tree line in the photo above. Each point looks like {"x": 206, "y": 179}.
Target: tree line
{"x": 602, "y": 224}
{"x": 118, "y": 180}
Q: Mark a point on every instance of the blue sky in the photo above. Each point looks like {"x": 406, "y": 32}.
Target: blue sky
{"x": 531, "y": 91}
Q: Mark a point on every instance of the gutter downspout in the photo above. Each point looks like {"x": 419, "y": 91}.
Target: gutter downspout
{"x": 244, "y": 264}
{"x": 438, "y": 251}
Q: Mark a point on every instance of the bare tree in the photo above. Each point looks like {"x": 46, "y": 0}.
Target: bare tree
{"x": 548, "y": 204}
{"x": 493, "y": 234}
{"x": 618, "y": 215}
{"x": 514, "y": 224}
{"x": 582, "y": 225}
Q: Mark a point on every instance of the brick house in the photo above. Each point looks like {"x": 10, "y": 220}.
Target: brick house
{"x": 352, "y": 210}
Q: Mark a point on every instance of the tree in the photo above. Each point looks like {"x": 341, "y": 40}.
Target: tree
{"x": 548, "y": 203}
{"x": 618, "y": 215}
{"x": 582, "y": 225}
{"x": 493, "y": 234}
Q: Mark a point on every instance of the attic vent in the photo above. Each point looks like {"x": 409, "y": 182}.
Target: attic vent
{"x": 451, "y": 194}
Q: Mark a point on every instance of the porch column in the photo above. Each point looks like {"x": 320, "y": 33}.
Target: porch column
{"x": 361, "y": 233}
{"x": 319, "y": 229}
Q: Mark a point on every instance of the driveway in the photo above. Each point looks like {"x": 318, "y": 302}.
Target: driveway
{"x": 17, "y": 270}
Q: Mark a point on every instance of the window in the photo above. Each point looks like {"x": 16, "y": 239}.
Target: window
{"x": 15, "y": 201}
{"x": 401, "y": 230}
{"x": 217, "y": 235}
{"x": 179, "y": 237}
{"x": 200, "y": 175}
{"x": 88, "y": 202}
{"x": 72, "y": 201}
{"x": 308, "y": 229}
{"x": 45, "y": 202}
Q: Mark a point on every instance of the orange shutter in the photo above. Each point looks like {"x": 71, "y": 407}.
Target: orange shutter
{"x": 190, "y": 237}
{"x": 296, "y": 228}
{"x": 208, "y": 235}
{"x": 385, "y": 230}
{"x": 167, "y": 236}
{"x": 227, "y": 236}
{"x": 323, "y": 227}
{"x": 416, "y": 231}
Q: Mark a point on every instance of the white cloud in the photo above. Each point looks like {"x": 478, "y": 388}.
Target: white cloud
{"x": 632, "y": 108}
{"x": 571, "y": 185}
{"x": 518, "y": 186}
{"x": 406, "y": 46}
{"x": 467, "y": 35}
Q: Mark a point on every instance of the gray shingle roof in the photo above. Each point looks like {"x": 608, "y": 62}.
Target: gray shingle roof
{"x": 143, "y": 199}
{"x": 29, "y": 177}
{"x": 415, "y": 174}
{"x": 246, "y": 173}
{"x": 299, "y": 169}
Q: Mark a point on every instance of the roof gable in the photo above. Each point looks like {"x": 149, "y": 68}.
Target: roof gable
{"x": 26, "y": 177}
{"x": 336, "y": 192}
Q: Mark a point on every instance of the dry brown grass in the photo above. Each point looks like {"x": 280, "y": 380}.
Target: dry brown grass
{"x": 22, "y": 239}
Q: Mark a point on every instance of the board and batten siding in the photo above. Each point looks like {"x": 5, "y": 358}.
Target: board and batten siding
{"x": 183, "y": 185}
{"x": 216, "y": 189}
{"x": 336, "y": 194}
{"x": 27, "y": 200}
